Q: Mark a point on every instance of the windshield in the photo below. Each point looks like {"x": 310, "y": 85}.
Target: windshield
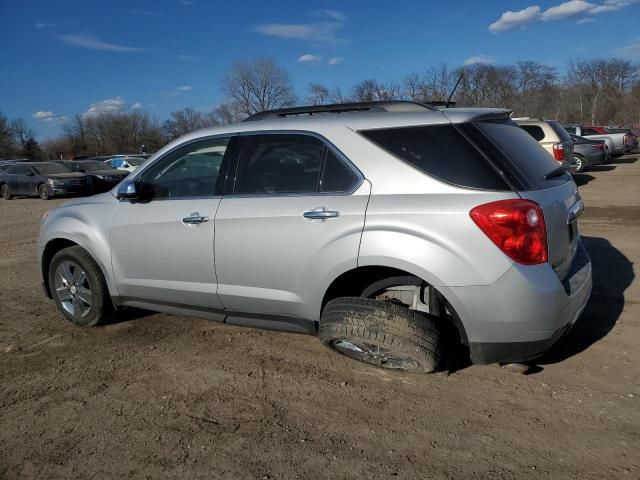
{"x": 134, "y": 161}
{"x": 50, "y": 168}
{"x": 90, "y": 166}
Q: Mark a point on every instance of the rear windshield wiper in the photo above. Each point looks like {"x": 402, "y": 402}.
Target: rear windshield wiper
{"x": 556, "y": 172}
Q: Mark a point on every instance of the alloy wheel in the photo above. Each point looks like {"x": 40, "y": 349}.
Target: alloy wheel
{"x": 73, "y": 289}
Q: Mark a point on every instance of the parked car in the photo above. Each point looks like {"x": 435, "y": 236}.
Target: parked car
{"x": 130, "y": 164}
{"x": 103, "y": 178}
{"x": 587, "y": 153}
{"x": 43, "y": 179}
{"x": 390, "y": 235}
{"x": 632, "y": 138}
{"x": 550, "y": 135}
{"x": 615, "y": 141}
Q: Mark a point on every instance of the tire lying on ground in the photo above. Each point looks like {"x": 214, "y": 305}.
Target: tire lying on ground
{"x": 384, "y": 334}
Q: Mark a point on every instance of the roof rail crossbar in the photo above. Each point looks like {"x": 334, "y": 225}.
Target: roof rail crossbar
{"x": 387, "y": 106}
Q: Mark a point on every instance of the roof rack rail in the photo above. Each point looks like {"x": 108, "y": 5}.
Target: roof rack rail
{"x": 386, "y": 106}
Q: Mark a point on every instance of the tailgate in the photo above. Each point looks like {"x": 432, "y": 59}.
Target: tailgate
{"x": 561, "y": 206}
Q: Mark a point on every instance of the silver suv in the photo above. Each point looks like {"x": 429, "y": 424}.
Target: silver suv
{"x": 393, "y": 231}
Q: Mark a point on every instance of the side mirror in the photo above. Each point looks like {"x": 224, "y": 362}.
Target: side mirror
{"x": 127, "y": 191}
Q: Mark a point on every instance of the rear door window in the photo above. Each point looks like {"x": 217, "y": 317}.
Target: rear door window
{"x": 563, "y": 135}
{"x": 442, "y": 152}
{"x": 274, "y": 164}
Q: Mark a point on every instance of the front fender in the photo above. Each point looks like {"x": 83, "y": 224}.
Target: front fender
{"x": 86, "y": 225}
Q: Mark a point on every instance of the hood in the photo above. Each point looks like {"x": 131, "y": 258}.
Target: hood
{"x": 111, "y": 172}
{"x": 63, "y": 176}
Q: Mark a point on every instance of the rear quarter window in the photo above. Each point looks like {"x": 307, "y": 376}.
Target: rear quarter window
{"x": 440, "y": 151}
{"x": 534, "y": 130}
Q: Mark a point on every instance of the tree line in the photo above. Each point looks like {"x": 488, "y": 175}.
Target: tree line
{"x": 597, "y": 91}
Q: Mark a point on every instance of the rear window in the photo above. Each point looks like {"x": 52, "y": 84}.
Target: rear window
{"x": 563, "y": 135}
{"x": 523, "y": 152}
{"x": 441, "y": 151}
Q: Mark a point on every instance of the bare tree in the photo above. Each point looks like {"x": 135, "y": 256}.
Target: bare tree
{"x": 7, "y": 144}
{"x": 372, "y": 90}
{"x": 317, "y": 94}
{"x": 258, "y": 85}
{"x": 185, "y": 121}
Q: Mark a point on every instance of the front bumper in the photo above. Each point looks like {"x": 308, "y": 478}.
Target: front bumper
{"x": 70, "y": 190}
{"x": 520, "y": 316}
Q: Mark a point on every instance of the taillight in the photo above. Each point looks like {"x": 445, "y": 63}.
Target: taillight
{"x": 558, "y": 151}
{"x": 598, "y": 146}
{"x": 625, "y": 139}
{"x": 516, "y": 227}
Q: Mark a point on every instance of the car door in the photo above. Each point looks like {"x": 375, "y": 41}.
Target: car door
{"x": 29, "y": 181}
{"x": 162, "y": 243}
{"x": 15, "y": 179}
{"x": 290, "y": 225}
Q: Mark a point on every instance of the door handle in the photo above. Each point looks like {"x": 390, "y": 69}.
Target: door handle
{"x": 194, "y": 219}
{"x": 320, "y": 213}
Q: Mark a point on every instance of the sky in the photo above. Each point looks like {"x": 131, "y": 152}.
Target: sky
{"x": 87, "y": 56}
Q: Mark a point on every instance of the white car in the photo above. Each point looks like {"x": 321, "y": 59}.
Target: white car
{"x": 129, "y": 164}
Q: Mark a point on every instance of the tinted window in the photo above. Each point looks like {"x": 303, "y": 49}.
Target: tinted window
{"x": 440, "y": 151}
{"x": 18, "y": 170}
{"x": 280, "y": 164}
{"x": 532, "y": 161}
{"x": 563, "y": 135}
{"x": 87, "y": 166}
{"x": 190, "y": 171}
{"x": 535, "y": 131}
{"x": 336, "y": 176}
{"x": 50, "y": 168}
{"x": 589, "y": 131}
{"x": 571, "y": 130}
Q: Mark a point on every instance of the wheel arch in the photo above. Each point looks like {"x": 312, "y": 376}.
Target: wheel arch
{"x": 354, "y": 282}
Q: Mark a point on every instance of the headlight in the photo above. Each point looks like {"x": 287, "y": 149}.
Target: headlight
{"x": 56, "y": 183}
{"x": 101, "y": 177}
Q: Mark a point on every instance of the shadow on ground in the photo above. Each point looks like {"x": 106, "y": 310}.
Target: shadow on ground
{"x": 627, "y": 159}
{"x": 582, "y": 178}
{"x": 602, "y": 168}
{"x": 612, "y": 275}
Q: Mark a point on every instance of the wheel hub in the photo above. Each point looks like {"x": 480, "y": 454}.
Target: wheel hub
{"x": 375, "y": 355}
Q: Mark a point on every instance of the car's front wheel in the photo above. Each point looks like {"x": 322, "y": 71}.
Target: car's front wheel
{"x": 78, "y": 287}
{"x": 383, "y": 334}
{"x": 43, "y": 192}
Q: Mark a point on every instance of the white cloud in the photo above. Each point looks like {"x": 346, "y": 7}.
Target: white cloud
{"x": 108, "y": 106}
{"x": 47, "y": 116}
{"x": 335, "y": 60}
{"x": 94, "y": 43}
{"x": 571, "y": 8}
{"x": 187, "y": 58}
{"x": 510, "y": 19}
{"x": 612, "y": 5}
{"x": 566, "y": 9}
{"x": 136, "y": 106}
{"x": 480, "y": 59}
{"x": 584, "y": 20}
{"x": 324, "y": 31}
{"x": 177, "y": 91}
{"x": 41, "y": 25}
{"x": 184, "y": 88}
{"x": 309, "y": 58}
{"x": 631, "y": 51}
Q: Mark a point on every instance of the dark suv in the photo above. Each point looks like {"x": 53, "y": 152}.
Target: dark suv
{"x": 103, "y": 177}
{"x": 44, "y": 180}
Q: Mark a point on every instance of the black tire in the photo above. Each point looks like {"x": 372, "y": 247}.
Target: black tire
{"x": 43, "y": 192}
{"x": 6, "y": 192}
{"x": 580, "y": 162}
{"x": 390, "y": 335}
{"x": 101, "y": 308}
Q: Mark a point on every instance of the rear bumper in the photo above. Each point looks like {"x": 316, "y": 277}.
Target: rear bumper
{"x": 524, "y": 313}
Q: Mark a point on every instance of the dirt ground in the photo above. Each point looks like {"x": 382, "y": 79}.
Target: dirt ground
{"x": 177, "y": 397}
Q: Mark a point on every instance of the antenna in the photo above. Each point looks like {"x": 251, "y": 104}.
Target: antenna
{"x": 446, "y": 105}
